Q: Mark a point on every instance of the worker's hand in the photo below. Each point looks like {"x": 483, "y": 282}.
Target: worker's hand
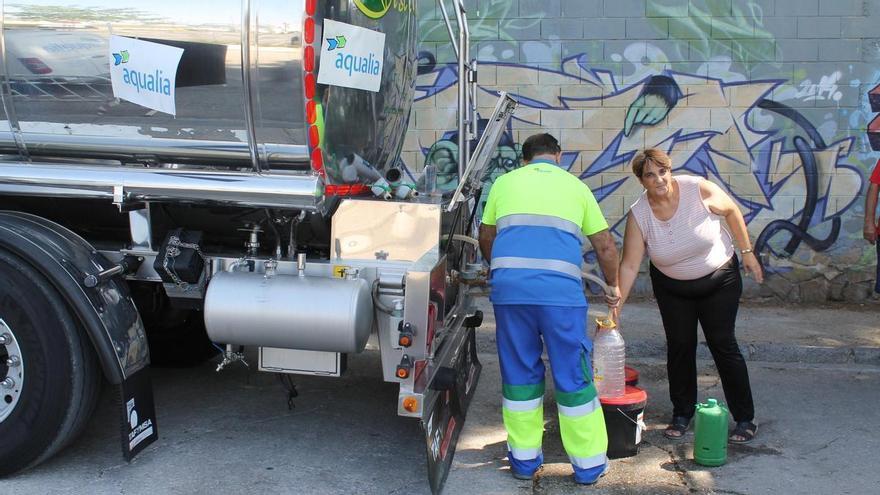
{"x": 870, "y": 233}
{"x": 752, "y": 267}
{"x": 612, "y": 296}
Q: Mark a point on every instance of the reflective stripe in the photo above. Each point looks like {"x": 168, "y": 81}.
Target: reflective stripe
{"x": 565, "y": 267}
{"x": 581, "y": 410}
{"x": 522, "y": 405}
{"x": 588, "y": 462}
{"x": 524, "y": 454}
{"x": 524, "y": 219}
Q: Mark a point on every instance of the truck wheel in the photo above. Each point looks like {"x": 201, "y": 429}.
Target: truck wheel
{"x": 49, "y": 376}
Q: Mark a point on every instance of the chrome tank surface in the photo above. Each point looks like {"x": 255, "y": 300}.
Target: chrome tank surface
{"x": 371, "y": 125}
{"x": 236, "y": 108}
{"x": 289, "y": 311}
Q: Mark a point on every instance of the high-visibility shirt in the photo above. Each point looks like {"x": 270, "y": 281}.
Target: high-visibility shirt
{"x": 541, "y": 213}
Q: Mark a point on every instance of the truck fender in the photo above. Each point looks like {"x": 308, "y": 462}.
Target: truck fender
{"x": 107, "y": 312}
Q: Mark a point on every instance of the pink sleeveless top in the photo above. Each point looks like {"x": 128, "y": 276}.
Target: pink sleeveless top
{"x": 691, "y": 244}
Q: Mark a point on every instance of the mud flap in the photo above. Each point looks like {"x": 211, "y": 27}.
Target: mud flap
{"x": 445, "y": 419}
{"x": 138, "y": 413}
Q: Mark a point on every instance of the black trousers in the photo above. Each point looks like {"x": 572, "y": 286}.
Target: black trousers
{"x": 712, "y": 300}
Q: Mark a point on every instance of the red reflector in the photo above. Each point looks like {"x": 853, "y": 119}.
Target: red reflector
{"x": 310, "y": 6}
{"x": 309, "y": 30}
{"x": 311, "y": 114}
{"x": 314, "y": 137}
{"x": 309, "y": 86}
{"x": 35, "y": 65}
{"x": 317, "y": 159}
{"x": 345, "y": 189}
{"x": 309, "y": 58}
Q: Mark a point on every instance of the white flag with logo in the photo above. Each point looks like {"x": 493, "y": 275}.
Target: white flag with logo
{"x": 144, "y": 73}
{"x": 351, "y": 56}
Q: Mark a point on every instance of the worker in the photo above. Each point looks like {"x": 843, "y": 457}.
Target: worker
{"x": 532, "y": 233}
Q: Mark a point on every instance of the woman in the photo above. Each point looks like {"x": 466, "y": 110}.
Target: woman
{"x": 695, "y": 276}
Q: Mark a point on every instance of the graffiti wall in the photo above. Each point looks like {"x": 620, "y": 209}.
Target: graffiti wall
{"x": 767, "y": 98}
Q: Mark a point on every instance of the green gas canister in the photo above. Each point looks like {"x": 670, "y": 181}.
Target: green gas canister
{"x": 710, "y": 434}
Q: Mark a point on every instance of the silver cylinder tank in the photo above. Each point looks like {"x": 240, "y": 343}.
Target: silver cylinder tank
{"x": 243, "y": 98}
{"x": 289, "y": 311}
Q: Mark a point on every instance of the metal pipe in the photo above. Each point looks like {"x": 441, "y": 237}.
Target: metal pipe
{"x": 463, "y": 42}
{"x": 448, "y": 27}
{"x": 473, "y": 98}
{"x": 249, "y": 117}
{"x": 125, "y": 184}
{"x": 151, "y": 150}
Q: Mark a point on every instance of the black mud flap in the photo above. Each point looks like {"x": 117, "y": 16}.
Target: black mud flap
{"x": 138, "y": 413}
{"x": 444, "y": 422}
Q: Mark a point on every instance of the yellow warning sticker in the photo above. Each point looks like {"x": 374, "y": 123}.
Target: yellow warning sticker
{"x": 339, "y": 271}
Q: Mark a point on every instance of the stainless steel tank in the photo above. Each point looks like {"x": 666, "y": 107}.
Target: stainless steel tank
{"x": 236, "y": 107}
{"x": 289, "y": 311}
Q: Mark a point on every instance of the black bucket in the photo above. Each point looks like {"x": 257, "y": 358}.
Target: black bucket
{"x": 624, "y": 421}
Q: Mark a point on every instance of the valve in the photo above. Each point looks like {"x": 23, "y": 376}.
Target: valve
{"x": 406, "y": 334}
{"x": 404, "y": 368}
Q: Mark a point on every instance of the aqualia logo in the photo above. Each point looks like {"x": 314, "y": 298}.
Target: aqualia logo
{"x": 155, "y": 82}
{"x": 351, "y": 63}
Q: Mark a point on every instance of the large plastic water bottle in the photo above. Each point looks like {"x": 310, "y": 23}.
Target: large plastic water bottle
{"x": 609, "y": 358}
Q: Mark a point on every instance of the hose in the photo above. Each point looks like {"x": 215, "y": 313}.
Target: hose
{"x": 463, "y": 238}
{"x": 377, "y": 302}
{"x": 595, "y": 278}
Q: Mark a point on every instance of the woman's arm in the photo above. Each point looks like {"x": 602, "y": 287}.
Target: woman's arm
{"x": 721, "y": 204}
{"x": 633, "y": 252}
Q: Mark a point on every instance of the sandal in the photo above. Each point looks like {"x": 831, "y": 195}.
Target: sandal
{"x": 677, "y": 427}
{"x": 746, "y": 430}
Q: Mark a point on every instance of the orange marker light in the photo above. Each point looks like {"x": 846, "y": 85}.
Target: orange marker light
{"x": 317, "y": 159}
{"x": 411, "y": 404}
{"x": 309, "y": 31}
{"x": 309, "y": 59}
{"x": 404, "y": 341}
{"x": 309, "y": 85}
{"x": 402, "y": 373}
{"x": 311, "y": 111}
{"x": 314, "y": 136}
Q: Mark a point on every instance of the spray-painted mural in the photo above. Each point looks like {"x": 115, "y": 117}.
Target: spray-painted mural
{"x": 796, "y": 177}
{"x": 769, "y": 169}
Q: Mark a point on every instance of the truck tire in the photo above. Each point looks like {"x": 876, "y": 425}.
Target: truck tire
{"x": 49, "y": 374}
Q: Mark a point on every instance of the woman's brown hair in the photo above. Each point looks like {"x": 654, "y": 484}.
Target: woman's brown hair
{"x": 656, "y": 156}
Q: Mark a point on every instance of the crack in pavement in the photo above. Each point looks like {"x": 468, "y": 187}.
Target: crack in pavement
{"x": 676, "y": 464}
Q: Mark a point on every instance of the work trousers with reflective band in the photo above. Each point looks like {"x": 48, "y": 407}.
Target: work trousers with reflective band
{"x": 520, "y": 329}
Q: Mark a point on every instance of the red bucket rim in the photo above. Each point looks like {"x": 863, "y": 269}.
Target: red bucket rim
{"x": 632, "y": 395}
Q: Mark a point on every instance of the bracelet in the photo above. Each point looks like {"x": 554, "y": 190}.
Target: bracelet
{"x": 745, "y": 251}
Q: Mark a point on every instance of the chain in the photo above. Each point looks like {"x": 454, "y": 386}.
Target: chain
{"x": 173, "y": 251}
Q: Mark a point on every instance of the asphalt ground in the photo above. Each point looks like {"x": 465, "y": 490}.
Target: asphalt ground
{"x": 232, "y": 432}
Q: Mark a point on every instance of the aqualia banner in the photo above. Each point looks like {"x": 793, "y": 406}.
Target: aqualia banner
{"x": 143, "y": 72}
{"x": 351, "y": 56}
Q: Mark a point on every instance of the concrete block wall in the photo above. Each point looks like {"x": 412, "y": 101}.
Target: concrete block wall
{"x": 768, "y": 99}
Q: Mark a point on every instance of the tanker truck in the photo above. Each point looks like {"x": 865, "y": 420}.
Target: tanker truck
{"x": 231, "y": 167}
